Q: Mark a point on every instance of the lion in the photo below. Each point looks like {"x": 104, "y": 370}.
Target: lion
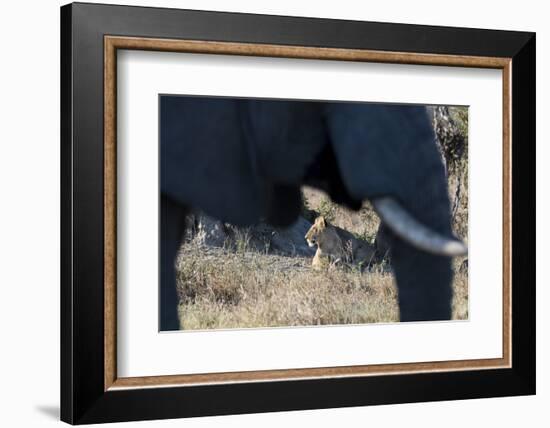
{"x": 336, "y": 246}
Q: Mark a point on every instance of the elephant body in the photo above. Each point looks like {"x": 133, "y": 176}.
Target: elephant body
{"x": 242, "y": 160}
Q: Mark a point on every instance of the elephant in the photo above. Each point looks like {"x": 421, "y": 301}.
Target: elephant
{"x": 241, "y": 160}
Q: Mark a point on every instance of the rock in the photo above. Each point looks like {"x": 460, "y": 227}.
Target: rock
{"x": 263, "y": 238}
{"x": 209, "y": 231}
{"x": 291, "y": 240}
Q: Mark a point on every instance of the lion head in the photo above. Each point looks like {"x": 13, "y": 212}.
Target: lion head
{"x": 314, "y": 233}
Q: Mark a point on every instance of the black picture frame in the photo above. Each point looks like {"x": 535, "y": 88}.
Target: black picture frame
{"x": 83, "y": 396}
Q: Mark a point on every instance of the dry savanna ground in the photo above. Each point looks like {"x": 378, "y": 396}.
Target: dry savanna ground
{"x": 238, "y": 285}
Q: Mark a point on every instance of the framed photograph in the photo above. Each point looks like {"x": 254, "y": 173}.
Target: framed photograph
{"x": 266, "y": 213}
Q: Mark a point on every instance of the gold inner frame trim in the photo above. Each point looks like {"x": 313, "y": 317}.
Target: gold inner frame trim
{"x": 113, "y": 43}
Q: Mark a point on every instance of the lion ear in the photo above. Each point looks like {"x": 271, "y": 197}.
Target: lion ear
{"x": 322, "y": 222}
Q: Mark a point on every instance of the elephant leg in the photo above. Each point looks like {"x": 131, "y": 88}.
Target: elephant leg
{"x": 172, "y": 227}
{"x": 424, "y": 280}
{"x": 424, "y": 284}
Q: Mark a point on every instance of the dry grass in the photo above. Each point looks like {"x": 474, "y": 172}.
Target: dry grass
{"x": 226, "y": 289}
{"x": 363, "y": 223}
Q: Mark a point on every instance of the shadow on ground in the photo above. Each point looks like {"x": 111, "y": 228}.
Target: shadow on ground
{"x": 50, "y": 411}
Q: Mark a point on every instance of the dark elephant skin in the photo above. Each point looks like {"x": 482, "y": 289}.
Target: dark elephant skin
{"x": 172, "y": 228}
{"x": 243, "y": 160}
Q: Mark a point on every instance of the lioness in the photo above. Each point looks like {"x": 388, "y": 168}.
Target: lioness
{"x": 335, "y": 245}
